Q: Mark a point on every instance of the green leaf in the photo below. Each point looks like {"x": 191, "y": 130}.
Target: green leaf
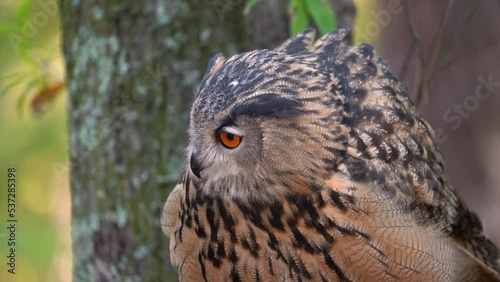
{"x": 10, "y": 85}
{"x": 21, "y": 101}
{"x": 249, "y": 5}
{"x": 299, "y": 18}
{"x": 24, "y": 54}
{"x": 322, "y": 13}
{"x": 5, "y": 28}
{"x": 22, "y": 12}
{"x": 13, "y": 75}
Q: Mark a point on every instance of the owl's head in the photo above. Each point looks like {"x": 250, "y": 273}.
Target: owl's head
{"x": 268, "y": 122}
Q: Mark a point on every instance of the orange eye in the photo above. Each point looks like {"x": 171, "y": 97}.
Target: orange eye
{"x": 229, "y": 140}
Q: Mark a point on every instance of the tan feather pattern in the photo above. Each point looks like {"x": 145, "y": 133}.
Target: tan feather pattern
{"x": 337, "y": 177}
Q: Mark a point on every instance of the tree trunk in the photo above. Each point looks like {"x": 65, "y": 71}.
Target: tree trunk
{"x": 131, "y": 70}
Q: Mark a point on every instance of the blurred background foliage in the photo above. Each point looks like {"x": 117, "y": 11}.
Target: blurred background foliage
{"x": 33, "y": 140}
{"x": 303, "y": 11}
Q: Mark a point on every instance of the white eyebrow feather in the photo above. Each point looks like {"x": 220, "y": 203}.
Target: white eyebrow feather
{"x": 233, "y": 130}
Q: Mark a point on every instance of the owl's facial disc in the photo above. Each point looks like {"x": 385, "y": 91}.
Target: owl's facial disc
{"x": 221, "y": 159}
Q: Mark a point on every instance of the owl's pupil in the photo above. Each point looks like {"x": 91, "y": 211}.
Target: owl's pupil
{"x": 230, "y": 136}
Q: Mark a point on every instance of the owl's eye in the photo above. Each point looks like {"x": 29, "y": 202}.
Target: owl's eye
{"x": 229, "y": 140}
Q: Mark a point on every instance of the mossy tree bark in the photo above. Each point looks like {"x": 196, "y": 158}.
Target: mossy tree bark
{"x": 131, "y": 71}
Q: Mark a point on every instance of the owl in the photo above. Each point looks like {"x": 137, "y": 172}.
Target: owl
{"x": 309, "y": 162}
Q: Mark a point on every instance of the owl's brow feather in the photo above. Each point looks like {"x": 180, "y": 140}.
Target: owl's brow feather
{"x": 269, "y": 105}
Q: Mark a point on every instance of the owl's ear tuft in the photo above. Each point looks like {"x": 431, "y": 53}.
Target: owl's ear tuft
{"x": 330, "y": 42}
{"x": 214, "y": 64}
{"x": 302, "y": 42}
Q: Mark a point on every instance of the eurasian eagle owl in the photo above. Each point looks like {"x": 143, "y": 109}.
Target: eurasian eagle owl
{"x": 310, "y": 163}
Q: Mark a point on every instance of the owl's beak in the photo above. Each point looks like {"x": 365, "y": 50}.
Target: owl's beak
{"x": 195, "y": 165}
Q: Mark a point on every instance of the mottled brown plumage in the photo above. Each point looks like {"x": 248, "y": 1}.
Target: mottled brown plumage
{"x": 337, "y": 176}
